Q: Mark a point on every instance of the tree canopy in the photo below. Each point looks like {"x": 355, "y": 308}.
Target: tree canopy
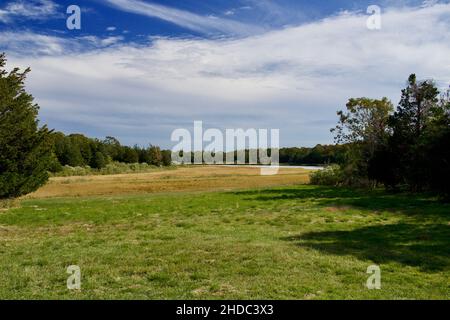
{"x": 407, "y": 148}
{"x": 25, "y": 148}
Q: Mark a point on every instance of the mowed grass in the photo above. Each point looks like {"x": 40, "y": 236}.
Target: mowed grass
{"x": 289, "y": 242}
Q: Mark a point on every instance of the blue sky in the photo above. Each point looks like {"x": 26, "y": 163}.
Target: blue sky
{"x": 99, "y": 15}
{"x": 139, "y": 69}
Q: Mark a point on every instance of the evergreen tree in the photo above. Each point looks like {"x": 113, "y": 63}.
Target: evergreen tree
{"x": 25, "y": 149}
{"x": 412, "y": 118}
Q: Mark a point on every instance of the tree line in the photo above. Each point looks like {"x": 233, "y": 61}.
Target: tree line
{"x": 28, "y": 151}
{"x": 77, "y": 150}
{"x": 318, "y": 155}
{"x": 407, "y": 147}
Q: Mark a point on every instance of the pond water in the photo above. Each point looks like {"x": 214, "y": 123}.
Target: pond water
{"x": 282, "y": 167}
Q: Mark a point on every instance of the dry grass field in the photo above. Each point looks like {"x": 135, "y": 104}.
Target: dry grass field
{"x": 183, "y": 179}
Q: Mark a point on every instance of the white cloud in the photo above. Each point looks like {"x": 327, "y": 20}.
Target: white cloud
{"x": 112, "y": 28}
{"x": 3, "y": 16}
{"x": 429, "y": 3}
{"x": 33, "y": 44}
{"x": 293, "y": 79}
{"x": 101, "y": 42}
{"x": 30, "y": 9}
{"x": 195, "y": 22}
{"x": 27, "y": 43}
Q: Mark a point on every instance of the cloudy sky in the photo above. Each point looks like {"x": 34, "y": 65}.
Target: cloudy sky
{"x": 139, "y": 69}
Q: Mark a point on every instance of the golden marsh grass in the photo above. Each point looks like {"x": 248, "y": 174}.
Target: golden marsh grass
{"x": 183, "y": 179}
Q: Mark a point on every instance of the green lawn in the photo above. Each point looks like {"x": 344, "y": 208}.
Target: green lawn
{"x": 299, "y": 242}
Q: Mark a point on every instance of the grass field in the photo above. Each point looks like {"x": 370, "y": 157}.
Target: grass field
{"x": 184, "y": 179}
{"x": 222, "y": 233}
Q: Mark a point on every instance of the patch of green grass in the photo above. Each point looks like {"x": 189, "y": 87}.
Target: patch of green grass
{"x": 300, "y": 242}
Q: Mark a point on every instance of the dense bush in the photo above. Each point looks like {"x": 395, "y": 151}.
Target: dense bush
{"x": 111, "y": 168}
{"x": 329, "y": 176}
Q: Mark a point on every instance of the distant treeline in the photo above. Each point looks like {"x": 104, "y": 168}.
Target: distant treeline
{"x": 77, "y": 150}
{"x": 318, "y": 155}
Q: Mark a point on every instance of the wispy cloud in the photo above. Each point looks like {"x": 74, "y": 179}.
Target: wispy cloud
{"x": 30, "y": 9}
{"x": 28, "y": 43}
{"x": 186, "y": 19}
{"x": 293, "y": 79}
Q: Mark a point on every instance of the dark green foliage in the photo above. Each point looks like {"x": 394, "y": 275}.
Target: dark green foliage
{"x": 98, "y": 161}
{"x": 381, "y": 167}
{"x": 155, "y": 155}
{"x": 25, "y": 149}
{"x": 412, "y": 125}
{"x": 320, "y": 154}
{"x": 406, "y": 148}
{"x": 112, "y": 148}
{"x": 129, "y": 155}
{"x": 76, "y": 150}
{"x": 166, "y": 157}
{"x": 55, "y": 165}
{"x": 434, "y": 151}
{"x": 143, "y": 155}
{"x": 363, "y": 127}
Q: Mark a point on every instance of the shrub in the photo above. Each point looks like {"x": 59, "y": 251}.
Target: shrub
{"x": 111, "y": 168}
{"x": 330, "y": 176}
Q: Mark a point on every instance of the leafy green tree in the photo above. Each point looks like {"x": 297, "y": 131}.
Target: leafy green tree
{"x": 143, "y": 153}
{"x": 166, "y": 157}
{"x": 433, "y": 149}
{"x": 366, "y": 121}
{"x": 364, "y": 127}
{"x": 130, "y": 155}
{"x": 100, "y": 156}
{"x": 84, "y": 145}
{"x": 98, "y": 161}
{"x": 155, "y": 155}
{"x": 112, "y": 148}
{"x": 25, "y": 148}
{"x": 69, "y": 153}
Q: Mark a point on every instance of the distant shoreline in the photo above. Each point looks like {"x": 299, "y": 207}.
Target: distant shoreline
{"x": 266, "y": 166}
